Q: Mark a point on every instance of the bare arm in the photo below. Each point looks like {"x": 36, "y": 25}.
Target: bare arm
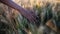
{"x": 13, "y": 5}
{"x": 23, "y": 11}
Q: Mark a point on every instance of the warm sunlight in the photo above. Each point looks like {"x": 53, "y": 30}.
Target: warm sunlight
{"x": 29, "y": 16}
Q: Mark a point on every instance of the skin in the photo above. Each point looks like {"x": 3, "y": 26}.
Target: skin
{"x": 27, "y": 14}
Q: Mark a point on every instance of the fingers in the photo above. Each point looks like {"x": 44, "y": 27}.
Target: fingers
{"x": 32, "y": 18}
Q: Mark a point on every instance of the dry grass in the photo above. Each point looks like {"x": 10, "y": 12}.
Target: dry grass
{"x": 15, "y": 23}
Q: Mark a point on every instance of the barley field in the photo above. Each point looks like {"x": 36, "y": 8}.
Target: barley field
{"x": 48, "y": 17}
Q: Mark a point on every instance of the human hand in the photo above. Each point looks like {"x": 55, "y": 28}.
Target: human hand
{"x": 30, "y": 15}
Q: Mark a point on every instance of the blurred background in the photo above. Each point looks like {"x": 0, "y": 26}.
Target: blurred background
{"x": 47, "y": 11}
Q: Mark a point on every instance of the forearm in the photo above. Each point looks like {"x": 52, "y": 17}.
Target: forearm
{"x": 13, "y": 5}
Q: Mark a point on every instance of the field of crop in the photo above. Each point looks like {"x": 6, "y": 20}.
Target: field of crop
{"x": 48, "y": 18}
